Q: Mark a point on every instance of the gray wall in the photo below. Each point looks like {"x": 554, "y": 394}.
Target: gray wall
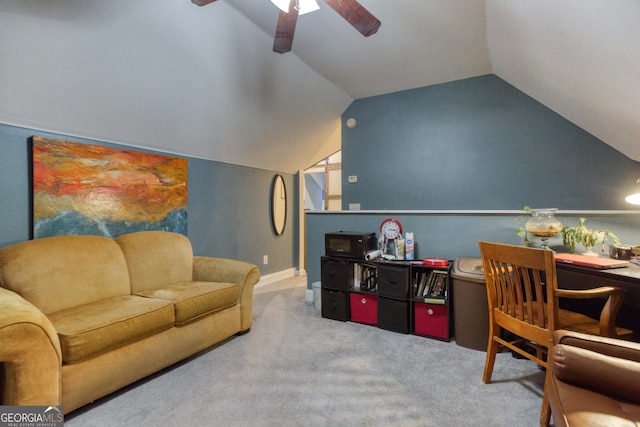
{"x": 477, "y": 143}
{"x": 228, "y": 206}
{"x": 468, "y": 147}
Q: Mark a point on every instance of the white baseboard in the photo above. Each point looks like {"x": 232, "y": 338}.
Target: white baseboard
{"x": 279, "y": 275}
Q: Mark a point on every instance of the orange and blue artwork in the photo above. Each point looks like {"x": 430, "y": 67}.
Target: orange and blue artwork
{"x": 90, "y": 189}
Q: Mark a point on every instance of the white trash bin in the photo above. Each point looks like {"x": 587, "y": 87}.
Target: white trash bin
{"x": 316, "y": 295}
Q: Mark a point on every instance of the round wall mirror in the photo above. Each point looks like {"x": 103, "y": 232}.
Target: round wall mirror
{"x": 278, "y": 204}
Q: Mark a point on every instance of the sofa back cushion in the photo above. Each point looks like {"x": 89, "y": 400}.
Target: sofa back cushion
{"x": 57, "y": 273}
{"x": 157, "y": 259}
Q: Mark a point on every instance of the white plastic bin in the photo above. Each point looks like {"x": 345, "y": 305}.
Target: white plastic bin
{"x": 316, "y": 295}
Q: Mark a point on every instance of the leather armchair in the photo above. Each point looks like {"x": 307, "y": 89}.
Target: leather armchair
{"x": 593, "y": 380}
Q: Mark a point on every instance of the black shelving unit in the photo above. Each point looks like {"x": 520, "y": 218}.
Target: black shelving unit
{"x": 398, "y": 296}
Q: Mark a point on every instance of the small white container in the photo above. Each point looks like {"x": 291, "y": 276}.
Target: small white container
{"x": 409, "y": 247}
{"x": 317, "y": 300}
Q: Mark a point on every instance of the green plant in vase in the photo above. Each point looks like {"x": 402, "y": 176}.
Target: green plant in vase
{"x": 522, "y": 231}
{"x": 586, "y": 237}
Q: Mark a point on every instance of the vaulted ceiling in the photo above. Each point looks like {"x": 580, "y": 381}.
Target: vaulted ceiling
{"x": 204, "y": 82}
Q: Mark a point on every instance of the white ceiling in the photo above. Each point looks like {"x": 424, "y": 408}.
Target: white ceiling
{"x": 420, "y": 42}
{"x": 578, "y": 57}
{"x": 203, "y": 81}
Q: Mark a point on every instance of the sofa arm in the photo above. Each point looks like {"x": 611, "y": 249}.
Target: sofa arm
{"x": 605, "y": 365}
{"x": 242, "y": 273}
{"x": 609, "y": 346}
{"x": 30, "y": 356}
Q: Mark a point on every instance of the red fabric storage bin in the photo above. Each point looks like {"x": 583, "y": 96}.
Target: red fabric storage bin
{"x": 431, "y": 320}
{"x": 364, "y": 308}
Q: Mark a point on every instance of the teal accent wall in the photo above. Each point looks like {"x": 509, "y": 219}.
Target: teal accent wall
{"x": 457, "y": 162}
{"x": 453, "y": 234}
{"x": 477, "y": 143}
{"x": 228, "y": 205}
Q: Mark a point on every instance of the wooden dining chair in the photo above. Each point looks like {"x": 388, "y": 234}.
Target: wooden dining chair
{"x": 522, "y": 292}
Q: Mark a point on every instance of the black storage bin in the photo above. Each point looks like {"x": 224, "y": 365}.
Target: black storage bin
{"x": 393, "y": 315}
{"x": 393, "y": 282}
{"x": 335, "y": 304}
{"x": 333, "y": 273}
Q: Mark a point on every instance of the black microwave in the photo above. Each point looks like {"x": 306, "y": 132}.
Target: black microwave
{"x": 349, "y": 244}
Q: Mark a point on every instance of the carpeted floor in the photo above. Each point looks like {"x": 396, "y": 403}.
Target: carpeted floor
{"x": 297, "y": 369}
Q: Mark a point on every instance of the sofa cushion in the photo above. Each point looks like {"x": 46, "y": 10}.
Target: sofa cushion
{"x": 576, "y": 406}
{"x": 157, "y": 259}
{"x": 57, "y": 273}
{"x": 195, "y": 299}
{"x": 91, "y": 329}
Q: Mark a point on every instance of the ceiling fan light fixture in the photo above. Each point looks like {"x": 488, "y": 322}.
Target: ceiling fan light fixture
{"x": 302, "y": 6}
{"x": 352, "y": 11}
{"x": 283, "y": 5}
{"x": 306, "y": 6}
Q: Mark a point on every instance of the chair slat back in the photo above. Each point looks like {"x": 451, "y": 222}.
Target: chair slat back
{"x": 520, "y": 283}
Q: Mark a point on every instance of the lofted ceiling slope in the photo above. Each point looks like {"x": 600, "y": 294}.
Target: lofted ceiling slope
{"x": 579, "y": 58}
{"x": 203, "y": 81}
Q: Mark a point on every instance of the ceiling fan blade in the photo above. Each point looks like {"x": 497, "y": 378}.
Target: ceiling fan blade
{"x": 285, "y": 29}
{"x": 361, "y": 19}
{"x": 202, "y": 2}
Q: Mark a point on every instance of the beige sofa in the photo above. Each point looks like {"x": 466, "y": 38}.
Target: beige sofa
{"x": 82, "y": 316}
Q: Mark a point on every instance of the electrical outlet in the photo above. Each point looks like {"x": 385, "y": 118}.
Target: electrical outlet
{"x": 265, "y": 259}
{"x": 353, "y": 179}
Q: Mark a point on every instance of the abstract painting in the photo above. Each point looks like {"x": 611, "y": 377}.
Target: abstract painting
{"x": 90, "y": 189}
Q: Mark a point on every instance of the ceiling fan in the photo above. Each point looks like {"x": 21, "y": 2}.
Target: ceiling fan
{"x": 359, "y": 17}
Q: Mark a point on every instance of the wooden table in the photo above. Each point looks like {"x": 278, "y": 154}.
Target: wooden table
{"x": 571, "y": 276}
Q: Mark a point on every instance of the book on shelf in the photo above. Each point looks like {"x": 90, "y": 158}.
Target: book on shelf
{"x": 357, "y": 275}
{"x": 368, "y": 278}
{"x": 423, "y": 284}
{"x": 430, "y": 283}
{"x": 437, "y": 283}
{"x": 415, "y": 284}
{"x": 439, "y": 286}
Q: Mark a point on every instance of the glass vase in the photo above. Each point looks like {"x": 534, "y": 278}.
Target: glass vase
{"x": 543, "y": 224}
